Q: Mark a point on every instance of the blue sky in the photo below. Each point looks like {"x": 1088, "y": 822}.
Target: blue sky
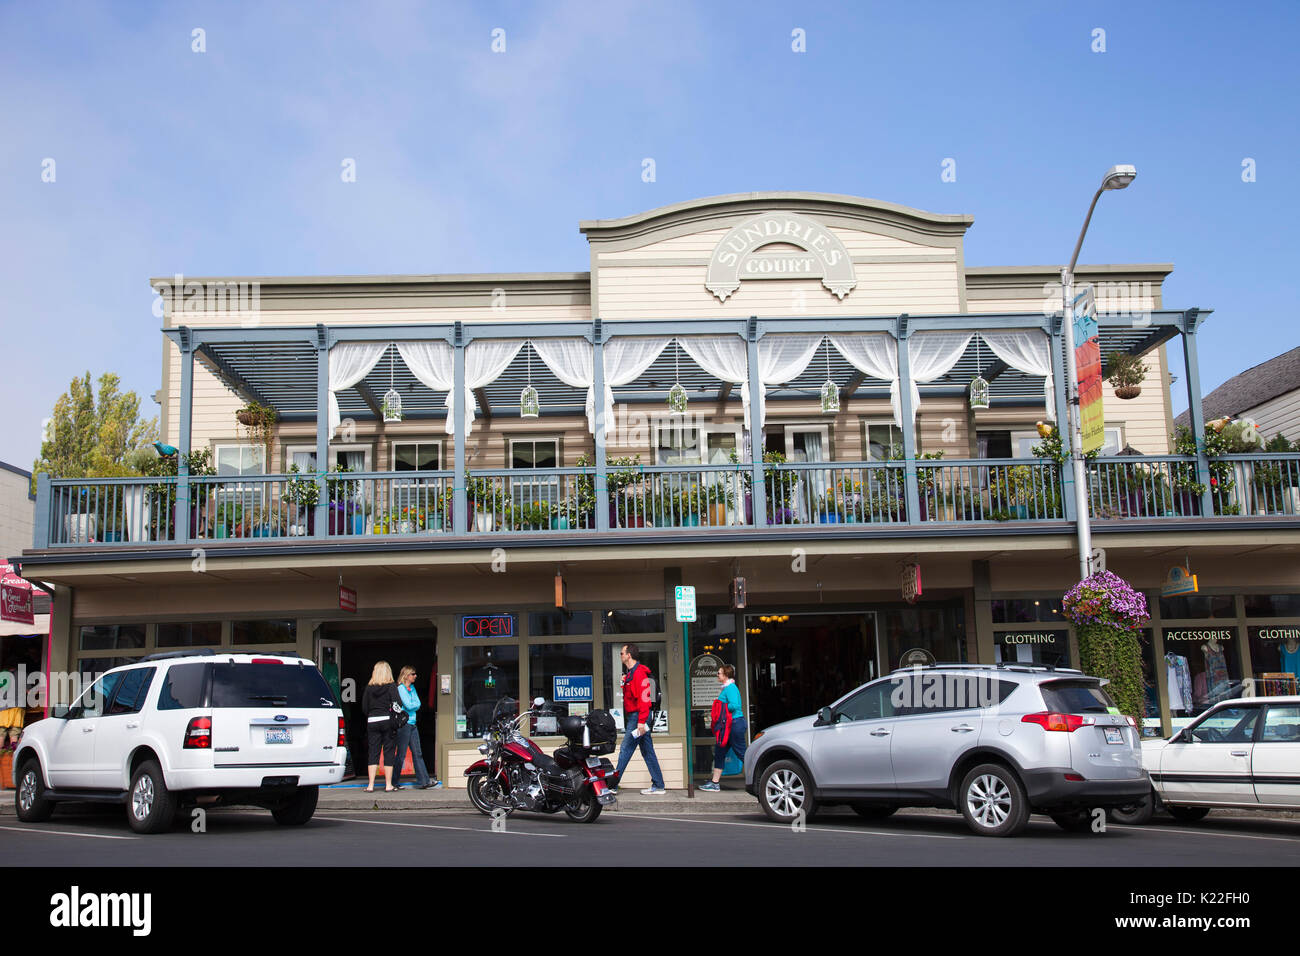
{"x": 228, "y": 161}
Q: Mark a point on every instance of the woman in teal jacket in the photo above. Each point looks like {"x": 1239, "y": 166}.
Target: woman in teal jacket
{"x": 736, "y": 743}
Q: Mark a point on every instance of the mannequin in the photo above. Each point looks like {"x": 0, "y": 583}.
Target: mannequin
{"x": 1289, "y": 652}
{"x": 1216, "y": 671}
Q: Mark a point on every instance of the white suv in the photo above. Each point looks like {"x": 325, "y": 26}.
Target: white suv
{"x": 185, "y": 728}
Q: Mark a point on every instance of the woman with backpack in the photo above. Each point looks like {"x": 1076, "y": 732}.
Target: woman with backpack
{"x": 730, "y": 728}
{"x": 382, "y": 706}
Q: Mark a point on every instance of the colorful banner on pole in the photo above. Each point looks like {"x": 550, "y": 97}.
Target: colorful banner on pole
{"x": 1087, "y": 361}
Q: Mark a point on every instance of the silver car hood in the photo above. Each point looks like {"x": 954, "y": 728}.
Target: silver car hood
{"x": 791, "y": 726}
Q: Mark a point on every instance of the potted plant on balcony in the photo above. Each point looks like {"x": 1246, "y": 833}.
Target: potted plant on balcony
{"x": 229, "y": 517}
{"x": 563, "y": 515}
{"x": 258, "y": 422}
{"x": 302, "y": 493}
{"x": 718, "y": 498}
{"x": 531, "y": 516}
{"x": 264, "y": 522}
{"x": 1126, "y": 373}
{"x": 486, "y": 501}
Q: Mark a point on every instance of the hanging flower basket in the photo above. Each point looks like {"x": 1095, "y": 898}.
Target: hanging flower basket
{"x": 1128, "y": 391}
{"x": 1109, "y": 615}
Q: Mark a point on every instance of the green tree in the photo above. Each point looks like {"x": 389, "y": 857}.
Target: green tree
{"x": 93, "y": 436}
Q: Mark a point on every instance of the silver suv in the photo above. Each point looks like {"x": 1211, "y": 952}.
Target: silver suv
{"x": 995, "y": 742}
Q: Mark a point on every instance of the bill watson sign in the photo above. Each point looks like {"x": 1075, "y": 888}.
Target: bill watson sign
{"x": 817, "y": 253}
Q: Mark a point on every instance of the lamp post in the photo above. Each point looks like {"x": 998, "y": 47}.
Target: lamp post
{"x": 1117, "y": 177}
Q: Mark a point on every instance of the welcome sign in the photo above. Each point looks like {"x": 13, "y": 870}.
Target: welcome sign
{"x": 780, "y": 245}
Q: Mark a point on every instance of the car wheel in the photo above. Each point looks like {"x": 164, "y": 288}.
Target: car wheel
{"x": 1073, "y": 821}
{"x": 993, "y": 801}
{"x": 29, "y": 798}
{"x": 872, "y": 811}
{"x": 298, "y": 809}
{"x": 1188, "y": 814}
{"x": 1136, "y": 813}
{"x": 785, "y": 792}
{"x": 150, "y": 806}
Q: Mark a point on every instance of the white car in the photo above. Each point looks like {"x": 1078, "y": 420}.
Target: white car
{"x": 186, "y": 728}
{"x": 1242, "y": 753}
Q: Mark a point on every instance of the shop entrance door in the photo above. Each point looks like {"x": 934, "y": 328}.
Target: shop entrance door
{"x": 799, "y": 663}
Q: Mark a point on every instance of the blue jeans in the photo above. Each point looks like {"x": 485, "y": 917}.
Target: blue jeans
{"x": 630, "y": 744}
{"x": 408, "y": 736}
{"x": 735, "y": 743}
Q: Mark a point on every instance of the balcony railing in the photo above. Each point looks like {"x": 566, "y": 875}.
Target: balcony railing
{"x": 141, "y": 511}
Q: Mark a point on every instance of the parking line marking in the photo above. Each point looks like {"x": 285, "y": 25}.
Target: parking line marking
{"x": 431, "y": 826}
{"x": 93, "y": 836}
{"x": 1231, "y": 836}
{"x": 782, "y": 826}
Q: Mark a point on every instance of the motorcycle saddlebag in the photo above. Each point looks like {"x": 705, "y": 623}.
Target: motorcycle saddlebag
{"x": 600, "y": 726}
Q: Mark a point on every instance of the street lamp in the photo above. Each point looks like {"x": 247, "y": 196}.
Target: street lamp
{"x": 1117, "y": 177}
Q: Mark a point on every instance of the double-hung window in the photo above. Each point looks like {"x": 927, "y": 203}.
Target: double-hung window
{"x": 532, "y": 454}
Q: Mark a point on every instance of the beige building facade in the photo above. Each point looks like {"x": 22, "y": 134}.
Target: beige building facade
{"x": 461, "y": 548}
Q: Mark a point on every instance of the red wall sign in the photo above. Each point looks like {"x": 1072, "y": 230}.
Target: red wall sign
{"x": 15, "y": 597}
{"x": 347, "y": 599}
{"x": 487, "y": 625}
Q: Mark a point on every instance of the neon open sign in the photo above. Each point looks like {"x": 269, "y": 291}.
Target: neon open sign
{"x": 487, "y": 625}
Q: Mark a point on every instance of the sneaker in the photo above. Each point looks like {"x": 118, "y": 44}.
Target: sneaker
{"x": 709, "y": 787}
{"x": 653, "y": 790}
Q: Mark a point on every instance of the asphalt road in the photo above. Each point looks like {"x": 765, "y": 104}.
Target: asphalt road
{"x": 250, "y": 838}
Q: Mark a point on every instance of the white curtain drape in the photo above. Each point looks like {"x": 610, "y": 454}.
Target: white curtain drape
{"x": 570, "y": 360}
{"x": 485, "y": 360}
{"x": 1028, "y": 351}
{"x": 725, "y": 357}
{"x": 626, "y": 358}
{"x": 874, "y": 354}
{"x": 781, "y": 358}
{"x": 349, "y": 363}
{"x": 433, "y": 364}
{"x": 932, "y": 355}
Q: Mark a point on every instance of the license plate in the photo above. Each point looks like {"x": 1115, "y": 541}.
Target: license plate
{"x": 278, "y": 736}
{"x": 1114, "y": 736}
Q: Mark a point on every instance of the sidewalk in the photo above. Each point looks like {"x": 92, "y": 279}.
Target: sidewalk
{"x": 348, "y": 797}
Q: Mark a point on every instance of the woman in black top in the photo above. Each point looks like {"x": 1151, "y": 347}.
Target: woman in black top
{"x": 378, "y": 701}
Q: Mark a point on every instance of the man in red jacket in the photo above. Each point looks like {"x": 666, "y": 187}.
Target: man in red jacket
{"x": 637, "y": 696}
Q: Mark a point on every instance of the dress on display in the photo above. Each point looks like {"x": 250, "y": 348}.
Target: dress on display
{"x": 1180, "y": 682}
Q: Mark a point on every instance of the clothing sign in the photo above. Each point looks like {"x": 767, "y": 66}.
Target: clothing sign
{"x": 487, "y": 625}
{"x": 15, "y": 597}
{"x": 685, "y": 595}
{"x": 572, "y": 688}
{"x": 347, "y": 599}
{"x": 1087, "y": 361}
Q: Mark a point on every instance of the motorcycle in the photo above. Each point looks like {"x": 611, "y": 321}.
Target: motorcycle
{"x": 516, "y": 774}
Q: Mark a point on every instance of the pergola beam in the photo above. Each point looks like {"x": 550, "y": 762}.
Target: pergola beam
{"x": 854, "y": 384}
{"x": 723, "y": 394}
{"x": 368, "y": 397}
{"x": 236, "y": 382}
{"x": 480, "y": 395}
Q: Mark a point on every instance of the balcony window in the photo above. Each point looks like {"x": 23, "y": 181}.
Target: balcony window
{"x": 417, "y": 456}
{"x": 879, "y": 440}
{"x": 680, "y": 444}
{"x": 238, "y": 460}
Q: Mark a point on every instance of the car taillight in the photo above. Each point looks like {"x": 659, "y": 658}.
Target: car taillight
{"x": 198, "y": 735}
{"x": 267, "y": 660}
{"x": 1132, "y": 721}
{"x": 1067, "y": 723}
{"x": 343, "y": 740}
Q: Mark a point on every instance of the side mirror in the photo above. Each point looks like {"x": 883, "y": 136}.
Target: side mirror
{"x": 825, "y": 716}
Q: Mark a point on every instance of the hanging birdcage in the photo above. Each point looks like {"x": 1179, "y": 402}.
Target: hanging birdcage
{"x": 830, "y": 398}
{"x": 677, "y": 394}
{"x": 392, "y": 404}
{"x": 979, "y": 388}
{"x": 530, "y": 406}
{"x": 830, "y": 391}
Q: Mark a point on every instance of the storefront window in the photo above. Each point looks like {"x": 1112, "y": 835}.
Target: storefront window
{"x": 1027, "y": 611}
{"x": 1150, "y": 689}
{"x": 264, "y": 632}
{"x": 90, "y": 667}
{"x": 556, "y": 623}
{"x": 653, "y": 655}
{"x": 110, "y": 636}
{"x": 198, "y": 634}
{"x": 1197, "y": 606}
{"x": 1272, "y": 605}
{"x": 1032, "y": 647}
{"x": 921, "y": 635}
{"x": 561, "y": 673}
{"x": 484, "y": 674}
{"x": 1274, "y": 649}
{"x": 633, "y": 621}
{"x": 1202, "y": 668}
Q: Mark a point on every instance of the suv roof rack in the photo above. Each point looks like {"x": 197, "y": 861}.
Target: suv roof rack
{"x": 1003, "y": 666}
{"x": 168, "y": 655}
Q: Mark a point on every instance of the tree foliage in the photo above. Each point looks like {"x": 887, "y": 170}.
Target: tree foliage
{"x": 96, "y": 435}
